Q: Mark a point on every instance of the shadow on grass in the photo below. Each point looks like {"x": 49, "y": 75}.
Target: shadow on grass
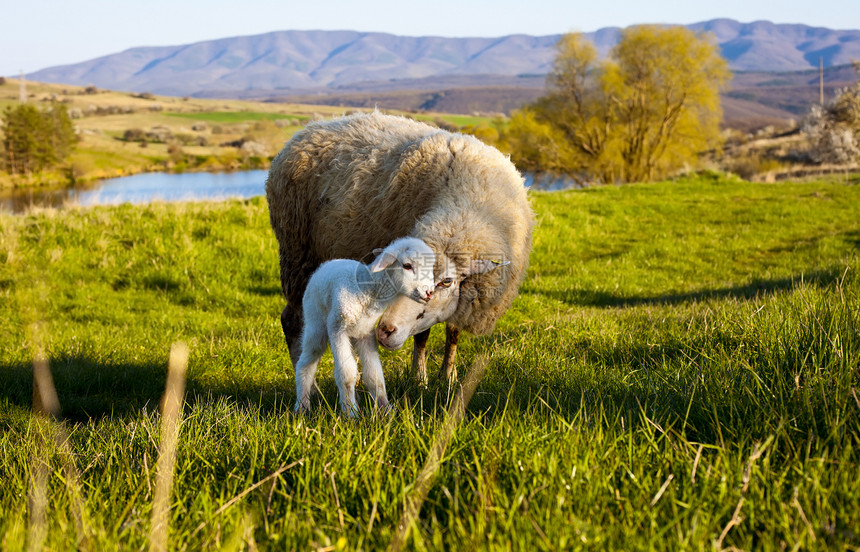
{"x": 756, "y": 288}
{"x": 264, "y": 290}
{"x": 90, "y": 390}
{"x": 853, "y": 238}
{"x": 629, "y": 380}
{"x": 704, "y": 408}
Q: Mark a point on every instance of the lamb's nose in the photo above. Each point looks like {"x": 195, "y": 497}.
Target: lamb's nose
{"x": 384, "y": 331}
{"x": 429, "y": 294}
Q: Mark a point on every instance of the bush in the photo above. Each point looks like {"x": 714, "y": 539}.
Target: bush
{"x": 752, "y": 166}
{"x": 175, "y": 152}
{"x": 134, "y": 135}
{"x": 484, "y": 133}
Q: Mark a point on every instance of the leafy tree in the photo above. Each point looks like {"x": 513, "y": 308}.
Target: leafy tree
{"x": 643, "y": 113}
{"x": 35, "y": 140}
{"x": 538, "y": 145}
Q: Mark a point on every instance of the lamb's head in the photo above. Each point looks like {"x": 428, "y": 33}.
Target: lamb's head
{"x": 405, "y": 318}
{"x": 408, "y": 265}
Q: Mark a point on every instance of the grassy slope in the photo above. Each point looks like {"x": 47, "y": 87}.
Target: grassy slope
{"x": 102, "y": 153}
{"x": 679, "y": 371}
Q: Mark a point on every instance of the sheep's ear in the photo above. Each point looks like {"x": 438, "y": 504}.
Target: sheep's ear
{"x": 481, "y": 266}
{"x": 378, "y": 250}
{"x": 383, "y": 261}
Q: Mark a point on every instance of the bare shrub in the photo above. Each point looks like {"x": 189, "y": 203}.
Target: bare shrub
{"x": 832, "y": 141}
{"x": 254, "y": 149}
{"x": 834, "y": 128}
{"x": 159, "y": 134}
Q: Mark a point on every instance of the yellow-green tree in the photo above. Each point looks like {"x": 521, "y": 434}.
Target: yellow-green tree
{"x": 643, "y": 113}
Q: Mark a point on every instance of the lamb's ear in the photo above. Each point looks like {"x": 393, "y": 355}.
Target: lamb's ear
{"x": 378, "y": 250}
{"x": 480, "y": 266}
{"x": 383, "y": 261}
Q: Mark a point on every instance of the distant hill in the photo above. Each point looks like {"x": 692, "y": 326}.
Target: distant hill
{"x": 302, "y": 62}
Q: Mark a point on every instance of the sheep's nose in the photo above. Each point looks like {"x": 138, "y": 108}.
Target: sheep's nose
{"x": 429, "y": 294}
{"x": 384, "y": 331}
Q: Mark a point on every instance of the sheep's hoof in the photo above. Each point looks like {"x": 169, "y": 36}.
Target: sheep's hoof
{"x": 448, "y": 374}
{"x": 421, "y": 380}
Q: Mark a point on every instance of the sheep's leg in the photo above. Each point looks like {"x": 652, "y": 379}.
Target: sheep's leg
{"x": 371, "y": 371}
{"x": 449, "y": 362}
{"x": 419, "y": 358}
{"x": 345, "y": 371}
{"x": 313, "y": 348}
{"x": 291, "y": 324}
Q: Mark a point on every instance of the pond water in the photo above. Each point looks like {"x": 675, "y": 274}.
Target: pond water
{"x": 147, "y": 187}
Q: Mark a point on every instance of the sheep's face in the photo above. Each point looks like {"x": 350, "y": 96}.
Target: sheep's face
{"x": 408, "y": 265}
{"x": 405, "y": 318}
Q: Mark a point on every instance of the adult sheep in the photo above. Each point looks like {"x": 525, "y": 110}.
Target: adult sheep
{"x": 344, "y": 187}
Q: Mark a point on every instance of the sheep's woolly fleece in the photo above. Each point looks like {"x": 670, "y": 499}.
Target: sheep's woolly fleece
{"x": 341, "y": 188}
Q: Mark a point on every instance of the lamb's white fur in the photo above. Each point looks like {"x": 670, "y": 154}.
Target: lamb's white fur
{"x": 342, "y": 302}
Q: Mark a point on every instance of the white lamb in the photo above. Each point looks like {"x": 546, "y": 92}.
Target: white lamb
{"x": 343, "y": 301}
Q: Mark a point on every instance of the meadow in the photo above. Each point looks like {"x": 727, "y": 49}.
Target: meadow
{"x": 680, "y": 371}
{"x": 182, "y": 134}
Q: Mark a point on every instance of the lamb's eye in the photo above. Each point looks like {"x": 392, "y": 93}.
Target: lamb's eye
{"x": 446, "y": 282}
{"x": 407, "y": 266}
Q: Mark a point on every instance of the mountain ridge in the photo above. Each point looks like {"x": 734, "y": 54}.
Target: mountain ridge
{"x": 297, "y": 61}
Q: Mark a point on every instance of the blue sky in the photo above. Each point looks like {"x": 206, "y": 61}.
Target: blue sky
{"x": 36, "y": 34}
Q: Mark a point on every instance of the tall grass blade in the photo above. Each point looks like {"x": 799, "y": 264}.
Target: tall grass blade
{"x": 170, "y": 418}
{"x": 455, "y": 415}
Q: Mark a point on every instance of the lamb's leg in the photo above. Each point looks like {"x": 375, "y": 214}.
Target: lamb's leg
{"x": 313, "y": 347}
{"x": 291, "y": 324}
{"x": 345, "y": 371}
{"x": 371, "y": 371}
{"x": 419, "y": 359}
{"x": 449, "y": 362}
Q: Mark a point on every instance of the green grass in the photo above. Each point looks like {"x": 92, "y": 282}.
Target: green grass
{"x": 680, "y": 371}
{"x": 236, "y": 116}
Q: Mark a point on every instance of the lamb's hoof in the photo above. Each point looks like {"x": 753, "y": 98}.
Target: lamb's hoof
{"x": 349, "y": 411}
{"x": 384, "y": 409}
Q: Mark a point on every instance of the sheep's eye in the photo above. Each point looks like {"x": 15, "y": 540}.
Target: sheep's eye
{"x": 407, "y": 266}
{"x": 446, "y": 282}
